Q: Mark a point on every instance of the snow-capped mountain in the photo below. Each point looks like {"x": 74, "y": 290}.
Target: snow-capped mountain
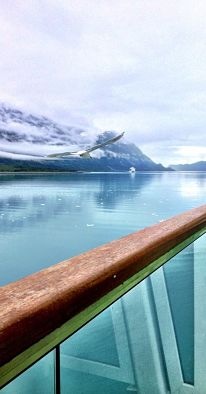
{"x": 25, "y": 140}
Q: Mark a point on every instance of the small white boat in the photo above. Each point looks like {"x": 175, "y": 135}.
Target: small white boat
{"x": 132, "y": 170}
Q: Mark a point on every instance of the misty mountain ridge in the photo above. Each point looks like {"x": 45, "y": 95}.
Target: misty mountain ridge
{"x": 22, "y": 133}
{"x": 19, "y": 126}
{"x": 197, "y": 166}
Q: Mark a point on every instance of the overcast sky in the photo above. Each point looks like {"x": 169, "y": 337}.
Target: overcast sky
{"x": 132, "y": 65}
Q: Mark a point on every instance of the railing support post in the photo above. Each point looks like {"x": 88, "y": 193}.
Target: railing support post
{"x": 57, "y": 371}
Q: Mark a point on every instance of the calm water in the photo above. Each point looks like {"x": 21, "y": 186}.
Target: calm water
{"x": 46, "y": 218}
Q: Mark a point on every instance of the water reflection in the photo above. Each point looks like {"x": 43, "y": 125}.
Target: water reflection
{"x": 40, "y": 198}
{"x": 126, "y": 187}
{"x": 195, "y": 186}
{"x": 46, "y": 218}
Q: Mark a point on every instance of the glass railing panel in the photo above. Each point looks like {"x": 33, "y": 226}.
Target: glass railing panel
{"x": 181, "y": 315}
{"x": 179, "y": 276}
{"x": 38, "y": 379}
{"x": 152, "y": 340}
{"x": 99, "y": 356}
{"x": 103, "y": 352}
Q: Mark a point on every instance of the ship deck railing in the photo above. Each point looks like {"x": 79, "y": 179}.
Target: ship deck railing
{"x": 38, "y": 312}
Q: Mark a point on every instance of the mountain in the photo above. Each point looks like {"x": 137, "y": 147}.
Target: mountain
{"x": 24, "y": 135}
{"x": 198, "y": 166}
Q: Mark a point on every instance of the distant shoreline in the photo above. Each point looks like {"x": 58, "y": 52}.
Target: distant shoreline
{"x": 97, "y": 172}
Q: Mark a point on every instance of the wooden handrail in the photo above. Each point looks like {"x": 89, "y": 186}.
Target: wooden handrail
{"x": 35, "y": 306}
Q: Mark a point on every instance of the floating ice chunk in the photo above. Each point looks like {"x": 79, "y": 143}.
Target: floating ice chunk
{"x": 90, "y": 225}
{"x": 132, "y": 388}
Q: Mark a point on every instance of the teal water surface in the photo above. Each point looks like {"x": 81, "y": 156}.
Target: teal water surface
{"x": 46, "y": 218}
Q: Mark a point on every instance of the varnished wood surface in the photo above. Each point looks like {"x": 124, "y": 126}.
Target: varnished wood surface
{"x": 34, "y": 306}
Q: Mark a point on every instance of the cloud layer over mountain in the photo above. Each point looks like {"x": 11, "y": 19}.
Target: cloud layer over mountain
{"x": 34, "y": 135}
